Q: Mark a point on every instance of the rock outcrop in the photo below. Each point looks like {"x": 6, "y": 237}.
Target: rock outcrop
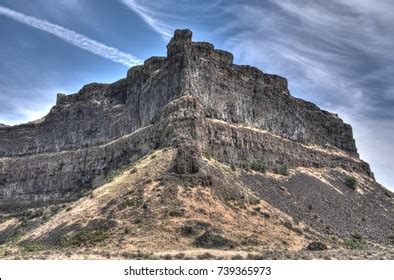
{"x": 221, "y": 136}
{"x": 193, "y": 99}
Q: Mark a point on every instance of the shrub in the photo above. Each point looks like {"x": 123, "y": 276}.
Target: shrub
{"x": 233, "y": 167}
{"x": 316, "y": 246}
{"x": 282, "y": 169}
{"x": 187, "y": 230}
{"x": 179, "y": 256}
{"x": 244, "y": 166}
{"x": 355, "y": 242}
{"x": 265, "y": 215}
{"x": 351, "y": 182}
{"x": 130, "y": 203}
{"x": 205, "y": 256}
{"x": 167, "y": 257}
{"x": 211, "y": 239}
{"x": 258, "y": 166}
{"x": 254, "y": 201}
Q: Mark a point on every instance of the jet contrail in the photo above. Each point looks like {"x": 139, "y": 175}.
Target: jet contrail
{"x": 72, "y": 37}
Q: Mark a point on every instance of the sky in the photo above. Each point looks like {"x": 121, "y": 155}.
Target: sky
{"x": 338, "y": 54}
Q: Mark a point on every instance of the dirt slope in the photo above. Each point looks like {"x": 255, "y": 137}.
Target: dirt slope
{"x": 147, "y": 211}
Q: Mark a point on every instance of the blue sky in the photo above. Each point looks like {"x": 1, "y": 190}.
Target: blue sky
{"x": 337, "y": 54}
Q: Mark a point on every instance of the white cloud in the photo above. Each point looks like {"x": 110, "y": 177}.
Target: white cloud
{"x": 165, "y": 16}
{"x": 151, "y": 17}
{"x": 72, "y": 37}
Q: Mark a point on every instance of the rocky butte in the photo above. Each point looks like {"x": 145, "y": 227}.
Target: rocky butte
{"x": 234, "y": 136}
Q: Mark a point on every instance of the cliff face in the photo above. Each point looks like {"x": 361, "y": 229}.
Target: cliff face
{"x": 194, "y": 99}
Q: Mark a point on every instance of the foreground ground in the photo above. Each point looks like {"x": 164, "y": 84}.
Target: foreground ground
{"x": 146, "y": 211}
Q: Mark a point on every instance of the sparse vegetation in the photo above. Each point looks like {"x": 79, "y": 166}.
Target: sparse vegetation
{"x": 113, "y": 174}
{"x": 356, "y": 242}
{"x": 316, "y": 246}
{"x": 244, "y": 166}
{"x": 281, "y": 169}
{"x": 258, "y": 166}
{"x": 36, "y": 247}
{"x": 351, "y": 182}
{"x": 187, "y": 230}
{"x": 135, "y": 255}
{"x": 3, "y": 251}
{"x": 130, "y": 203}
{"x": 353, "y": 244}
{"x": 211, "y": 239}
{"x": 254, "y": 201}
{"x": 205, "y": 256}
{"x": 167, "y": 257}
{"x": 15, "y": 237}
{"x": 179, "y": 256}
{"x": 85, "y": 237}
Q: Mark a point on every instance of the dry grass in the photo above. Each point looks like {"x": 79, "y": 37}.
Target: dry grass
{"x": 156, "y": 214}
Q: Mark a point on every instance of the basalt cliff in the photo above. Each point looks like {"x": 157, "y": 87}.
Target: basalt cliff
{"x": 194, "y": 150}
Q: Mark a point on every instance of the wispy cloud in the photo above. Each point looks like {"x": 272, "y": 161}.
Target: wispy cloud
{"x": 72, "y": 37}
{"x": 152, "y": 17}
{"x": 166, "y": 15}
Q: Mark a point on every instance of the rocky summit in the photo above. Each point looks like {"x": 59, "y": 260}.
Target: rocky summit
{"x": 189, "y": 153}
